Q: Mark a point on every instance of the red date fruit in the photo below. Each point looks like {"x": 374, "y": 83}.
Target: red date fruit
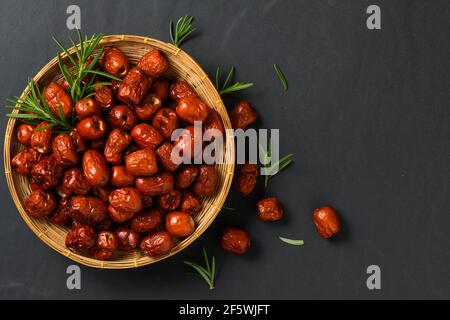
{"x": 156, "y": 185}
{"x": 64, "y": 150}
{"x": 326, "y": 221}
{"x": 269, "y": 209}
{"x": 170, "y": 201}
{"x": 157, "y": 244}
{"x": 120, "y": 177}
{"x": 146, "y": 221}
{"x": 161, "y": 88}
{"x": 47, "y": 172}
{"x": 87, "y": 107}
{"x": 179, "y": 224}
{"x": 235, "y": 240}
{"x": 122, "y": 117}
{"x": 115, "y": 62}
{"x": 79, "y": 142}
{"x": 192, "y": 109}
{"x": 154, "y": 63}
{"x": 24, "y": 160}
{"x": 142, "y": 162}
{"x": 215, "y": 126}
{"x": 145, "y": 136}
{"x": 41, "y": 139}
{"x": 242, "y": 115}
{"x": 57, "y": 98}
{"x": 164, "y": 153}
{"x": 95, "y": 168}
{"x": 189, "y": 143}
{"x": 24, "y": 133}
{"x": 91, "y": 128}
{"x": 104, "y": 97}
{"x": 40, "y": 203}
{"x": 80, "y": 237}
{"x": 105, "y": 245}
{"x": 88, "y": 210}
{"x": 148, "y": 107}
{"x": 62, "y": 214}
{"x": 165, "y": 121}
{"x": 246, "y": 177}
{"x": 74, "y": 182}
{"x": 186, "y": 176}
{"x": 134, "y": 86}
{"x": 206, "y": 182}
{"x": 126, "y": 202}
{"x": 116, "y": 144}
{"x": 181, "y": 90}
{"x": 190, "y": 204}
{"x": 127, "y": 239}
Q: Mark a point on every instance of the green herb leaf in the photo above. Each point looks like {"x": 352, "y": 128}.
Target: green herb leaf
{"x": 228, "y": 208}
{"x": 292, "y": 241}
{"x": 104, "y": 74}
{"x": 281, "y": 77}
{"x": 208, "y": 272}
{"x": 282, "y": 164}
{"x": 181, "y": 31}
{"x": 34, "y": 109}
{"x": 226, "y": 88}
{"x": 82, "y": 65}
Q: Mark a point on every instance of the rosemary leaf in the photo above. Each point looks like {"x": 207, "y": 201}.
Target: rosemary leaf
{"x": 21, "y": 115}
{"x": 281, "y": 77}
{"x": 228, "y": 208}
{"x": 238, "y": 86}
{"x": 104, "y": 74}
{"x": 217, "y": 77}
{"x": 208, "y": 272}
{"x": 182, "y": 30}
{"x": 204, "y": 273}
{"x": 205, "y": 255}
{"x": 272, "y": 168}
{"x": 229, "y": 77}
{"x": 226, "y": 88}
{"x": 292, "y": 241}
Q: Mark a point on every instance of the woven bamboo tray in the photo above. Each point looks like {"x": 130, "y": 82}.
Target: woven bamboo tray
{"x": 182, "y": 66}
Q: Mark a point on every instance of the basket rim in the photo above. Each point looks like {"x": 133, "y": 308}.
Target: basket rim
{"x": 229, "y": 146}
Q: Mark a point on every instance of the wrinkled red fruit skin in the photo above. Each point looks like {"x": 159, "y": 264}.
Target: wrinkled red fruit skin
{"x": 80, "y": 237}
{"x": 269, "y": 209}
{"x": 157, "y": 244}
{"x": 155, "y": 185}
{"x": 134, "y": 86}
{"x": 235, "y": 240}
{"x": 242, "y": 115}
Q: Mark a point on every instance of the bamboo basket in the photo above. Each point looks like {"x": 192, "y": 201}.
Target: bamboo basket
{"x": 182, "y": 66}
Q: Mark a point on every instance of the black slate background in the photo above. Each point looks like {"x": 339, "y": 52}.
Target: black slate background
{"x": 367, "y": 117}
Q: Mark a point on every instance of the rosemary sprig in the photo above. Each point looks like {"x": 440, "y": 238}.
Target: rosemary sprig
{"x": 292, "y": 241}
{"x": 208, "y": 272}
{"x": 82, "y": 66}
{"x": 228, "y": 208}
{"x": 34, "y": 109}
{"x": 182, "y": 30}
{"x": 226, "y": 87}
{"x": 281, "y": 77}
{"x": 276, "y": 167}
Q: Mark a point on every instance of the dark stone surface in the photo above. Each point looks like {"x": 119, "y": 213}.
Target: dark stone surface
{"x": 367, "y": 117}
